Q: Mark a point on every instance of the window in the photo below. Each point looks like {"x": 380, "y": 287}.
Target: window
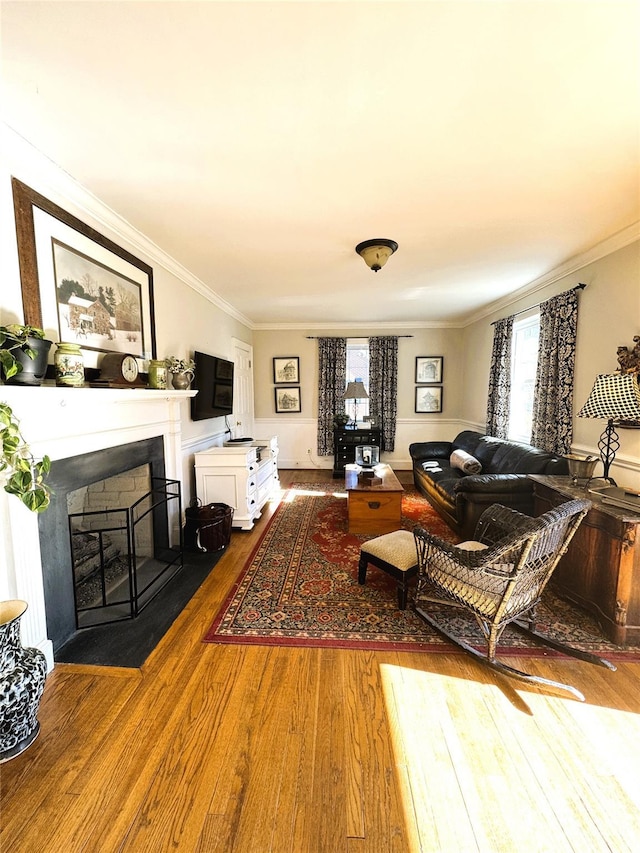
{"x": 524, "y": 362}
{"x": 358, "y": 369}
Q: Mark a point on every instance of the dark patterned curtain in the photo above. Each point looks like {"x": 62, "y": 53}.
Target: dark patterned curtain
{"x": 332, "y": 380}
{"x": 383, "y": 387}
{"x": 552, "y": 426}
{"x": 500, "y": 379}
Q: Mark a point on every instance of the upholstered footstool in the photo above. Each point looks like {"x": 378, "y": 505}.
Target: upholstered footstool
{"x": 394, "y": 553}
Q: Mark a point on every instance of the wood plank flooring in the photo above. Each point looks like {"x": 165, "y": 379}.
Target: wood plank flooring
{"x": 255, "y": 750}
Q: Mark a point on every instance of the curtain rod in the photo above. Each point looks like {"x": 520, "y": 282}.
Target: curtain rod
{"x": 538, "y": 304}
{"x": 317, "y": 337}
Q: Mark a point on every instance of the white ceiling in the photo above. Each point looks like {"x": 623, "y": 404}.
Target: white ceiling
{"x": 257, "y": 143}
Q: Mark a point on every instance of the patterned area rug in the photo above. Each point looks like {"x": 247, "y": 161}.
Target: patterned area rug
{"x": 300, "y": 588}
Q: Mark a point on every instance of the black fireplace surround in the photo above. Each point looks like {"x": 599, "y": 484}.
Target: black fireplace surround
{"x": 66, "y": 476}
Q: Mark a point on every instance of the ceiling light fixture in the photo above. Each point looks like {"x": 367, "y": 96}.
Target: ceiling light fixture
{"x": 375, "y": 253}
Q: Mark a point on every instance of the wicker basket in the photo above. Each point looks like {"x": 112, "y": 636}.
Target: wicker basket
{"x": 208, "y": 528}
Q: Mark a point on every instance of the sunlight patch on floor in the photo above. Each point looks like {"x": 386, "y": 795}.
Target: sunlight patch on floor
{"x": 482, "y": 764}
{"x": 299, "y": 493}
{"x": 294, "y": 493}
{"x": 416, "y": 703}
{"x": 605, "y": 741}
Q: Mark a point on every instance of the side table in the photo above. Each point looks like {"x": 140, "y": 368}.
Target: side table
{"x": 601, "y": 569}
{"x": 345, "y": 441}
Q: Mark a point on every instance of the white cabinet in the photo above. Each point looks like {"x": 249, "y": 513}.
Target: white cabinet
{"x": 242, "y": 477}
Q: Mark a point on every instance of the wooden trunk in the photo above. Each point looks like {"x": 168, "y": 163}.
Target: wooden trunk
{"x": 374, "y": 508}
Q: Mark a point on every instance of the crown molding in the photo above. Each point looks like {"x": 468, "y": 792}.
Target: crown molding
{"x": 612, "y": 244}
{"x": 32, "y": 166}
{"x": 366, "y": 327}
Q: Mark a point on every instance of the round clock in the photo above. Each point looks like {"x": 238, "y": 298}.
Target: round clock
{"x": 129, "y": 368}
{"x": 119, "y": 369}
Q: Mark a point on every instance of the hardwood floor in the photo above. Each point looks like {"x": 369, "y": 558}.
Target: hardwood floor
{"x": 254, "y": 749}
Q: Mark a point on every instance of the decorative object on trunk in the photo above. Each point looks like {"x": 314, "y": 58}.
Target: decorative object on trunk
{"x": 22, "y": 676}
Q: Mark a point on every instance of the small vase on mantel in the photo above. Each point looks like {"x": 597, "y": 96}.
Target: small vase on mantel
{"x": 182, "y": 381}
{"x": 157, "y": 374}
{"x": 22, "y": 676}
{"x": 69, "y": 365}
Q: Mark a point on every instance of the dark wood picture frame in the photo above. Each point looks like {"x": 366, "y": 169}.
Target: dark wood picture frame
{"x": 429, "y": 369}
{"x": 286, "y": 370}
{"x": 25, "y": 199}
{"x": 428, "y": 399}
{"x": 288, "y": 400}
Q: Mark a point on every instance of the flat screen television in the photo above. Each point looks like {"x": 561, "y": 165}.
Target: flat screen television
{"x": 213, "y": 380}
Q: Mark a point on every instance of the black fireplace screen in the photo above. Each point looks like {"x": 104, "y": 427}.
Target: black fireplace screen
{"x": 123, "y": 557}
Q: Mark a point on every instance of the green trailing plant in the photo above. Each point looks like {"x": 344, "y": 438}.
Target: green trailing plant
{"x": 341, "y": 419}
{"x": 12, "y": 338}
{"x": 25, "y": 474}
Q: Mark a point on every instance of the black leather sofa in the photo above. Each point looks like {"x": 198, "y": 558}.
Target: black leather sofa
{"x": 461, "y": 498}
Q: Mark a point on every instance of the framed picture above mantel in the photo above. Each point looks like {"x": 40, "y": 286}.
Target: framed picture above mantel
{"x": 78, "y": 282}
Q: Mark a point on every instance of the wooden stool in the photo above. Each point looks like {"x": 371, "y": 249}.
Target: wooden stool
{"x": 394, "y": 553}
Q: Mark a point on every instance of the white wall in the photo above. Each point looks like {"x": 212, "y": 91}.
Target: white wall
{"x": 298, "y": 432}
{"x": 186, "y": 316}
{"x": 608, "y": 317}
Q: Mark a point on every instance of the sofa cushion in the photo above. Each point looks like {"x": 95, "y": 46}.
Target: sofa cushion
{"x": 514, "y": 458}
{"x": 467, "y": 463}
{"x": 483, "y": 448}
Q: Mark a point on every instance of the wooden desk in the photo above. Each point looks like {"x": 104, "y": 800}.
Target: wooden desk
{"x": 601, "y": 569}
{"x": 374, "y": 509}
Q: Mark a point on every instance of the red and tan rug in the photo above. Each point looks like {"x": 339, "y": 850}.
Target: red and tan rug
{"x": 300, "y": 588}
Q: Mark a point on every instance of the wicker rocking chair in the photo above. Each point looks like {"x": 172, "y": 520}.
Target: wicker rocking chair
{"x": 500, "y": 577}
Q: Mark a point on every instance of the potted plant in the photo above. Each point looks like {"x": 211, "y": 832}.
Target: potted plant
{"x": 24, "y": 353}
{"x": 182, "y": 371}
{"x": 340, "y": 420}
{"x": 25, "y": 475}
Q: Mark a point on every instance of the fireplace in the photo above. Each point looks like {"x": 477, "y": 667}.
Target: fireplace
{"x": 121, "y": 550}
{"x": 71, "y": 425}
{"x": 66, "y": 478}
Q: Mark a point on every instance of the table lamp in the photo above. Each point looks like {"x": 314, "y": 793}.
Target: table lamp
{"x": 355, "y": 391}
{"x": 616, "y": 398}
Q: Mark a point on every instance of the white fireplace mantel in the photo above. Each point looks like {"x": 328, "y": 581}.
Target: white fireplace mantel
{"x": 63, "y": 423}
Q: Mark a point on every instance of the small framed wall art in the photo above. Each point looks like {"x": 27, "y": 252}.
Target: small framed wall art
{"x": 286, "y": 370}
{"x": 429, "y": 369}
{"x": 429, "y": 399}
{"x": 287, "y": 400}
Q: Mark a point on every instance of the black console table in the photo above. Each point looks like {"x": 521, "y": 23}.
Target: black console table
{"x": 345, "y": 442}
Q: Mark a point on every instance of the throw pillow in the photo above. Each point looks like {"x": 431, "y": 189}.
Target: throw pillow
{"x": 467, "y": 463}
